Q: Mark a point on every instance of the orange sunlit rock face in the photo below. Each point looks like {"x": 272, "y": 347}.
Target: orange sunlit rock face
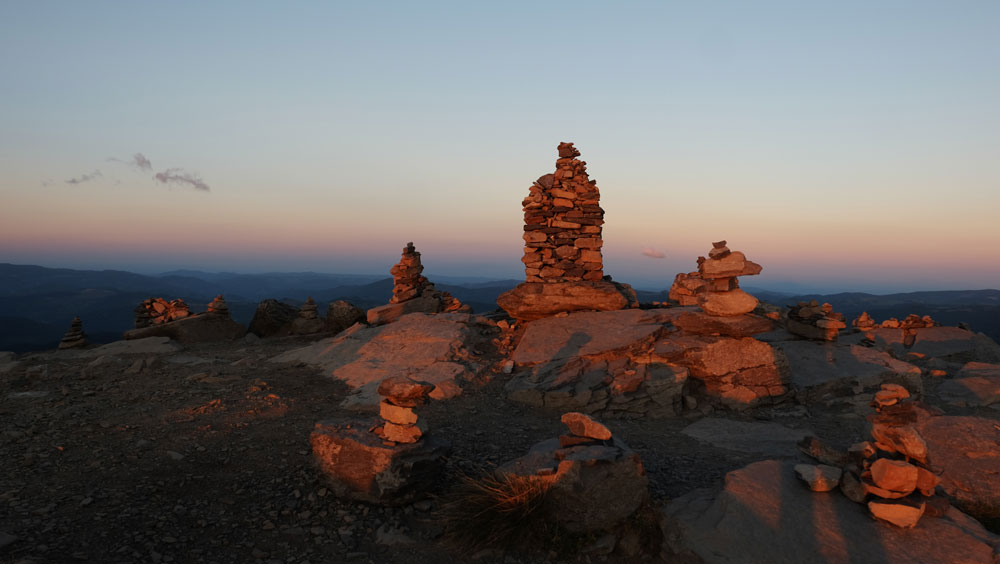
{"x": 154, "y": 311}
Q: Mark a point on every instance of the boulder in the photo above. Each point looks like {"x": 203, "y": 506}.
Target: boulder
{"x": 342, "y": 314}
{"x": 591, "y": 487}
{"x": 729, "y": 303}
{"x": 738, "y": 373}
{"x": 273, "y": 318}
{"x": 357, "y": 464}
{"x": 896, "y": 476}
{"x": 763, "y": 516}
{"x": 583, "y": 426}
{"x": 201, "y": 328}
{"x": 430, "y": 301}
{"x": 427, "y": 348}
{"x": 535, "y": 300}
{"x": 965, "y": 452}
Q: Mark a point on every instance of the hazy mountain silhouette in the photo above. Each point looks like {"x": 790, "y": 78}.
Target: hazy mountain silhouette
{"x": 37, "y": 303}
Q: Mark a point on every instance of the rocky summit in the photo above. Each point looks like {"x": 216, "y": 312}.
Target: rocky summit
{"x": 571, "y": 424}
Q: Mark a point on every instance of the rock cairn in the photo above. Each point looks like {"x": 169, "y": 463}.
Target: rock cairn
{"x": 864, "y": 322}
{"x": 593, "y": 481}
{"x": 399, "y": 421}
{"x": 218, "y": 306}
{"x": 714, "y": 287}
{"x": 890, "y": 473}
{"x": 308, "y": 321}
{"x": 155, "y": 311}
{"x": 391, "y": 461}
{"x": 562, "y": 224}
{"x": 408, "y": 281}
{"x": 413, "y": 293}
{"x": 563, "y": 266}
{"x": 814, "y": 321}
{"x": 75, "y": 337}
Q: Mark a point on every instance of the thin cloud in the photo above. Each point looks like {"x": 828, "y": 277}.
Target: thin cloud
{"x": 138, "y": 160}
{"x": 181, "y": 176}
{"x": 652, "y": 253}
{"x": 85, "y": 178}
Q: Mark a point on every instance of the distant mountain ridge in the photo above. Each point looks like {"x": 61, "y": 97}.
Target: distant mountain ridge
{"x": 37, "y": 303}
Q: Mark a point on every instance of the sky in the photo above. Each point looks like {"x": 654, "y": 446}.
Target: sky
{"x": 844, "y": 146}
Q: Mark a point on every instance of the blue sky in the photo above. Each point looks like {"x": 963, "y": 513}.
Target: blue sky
{"x": 851, "y": 145}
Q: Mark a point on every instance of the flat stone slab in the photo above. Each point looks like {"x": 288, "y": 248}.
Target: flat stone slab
{"x": 149, "y": 345}
{"x": 765, "y": 515}
{"x": 753, "y": 437}
{"x": 424, "y": 347}
{"x": 588, "y": 333}
{"x": 816, "y": 369}
{"x": 951, "y": 344}
{"x": 971, "y": 391}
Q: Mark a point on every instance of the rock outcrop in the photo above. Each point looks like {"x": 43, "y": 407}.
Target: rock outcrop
{"x": 159, "y": 318}
{"x": 594, "y": 480}
{"x": 273, "y": 318}
{"x": 75, "y": 337}
{"x": 765, "y": 501}
{"x": 438, "y": 349}
{"x": 814, "y": 321}
{"x": 413, "y": 293}
{"x": 563, "y": 265}
{"x": 342, "y": 314}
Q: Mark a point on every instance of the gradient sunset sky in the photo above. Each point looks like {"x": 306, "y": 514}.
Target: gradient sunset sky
{"x": 842, "y": 145}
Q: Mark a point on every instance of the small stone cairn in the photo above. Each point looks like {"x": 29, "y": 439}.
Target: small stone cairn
{"x": 218, "y": 306}
{"x": 400, "y": 422}
{"x": 154, "y": 311}
{"x": 390, "y": 461}
{"x": 413, "y": 293}
{"x": 562, "y": 224}
{"x": 890, "y": 473}
{"x": 715, "y": 287}
{"x": 814, "y": 321}
{"x": 75, "y": 337}
{"x": 308, "y": 321}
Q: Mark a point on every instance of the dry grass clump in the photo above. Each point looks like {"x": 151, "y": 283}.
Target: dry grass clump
{"x": 496, "y": 509}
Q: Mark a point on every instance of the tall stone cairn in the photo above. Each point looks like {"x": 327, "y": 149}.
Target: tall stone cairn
{"x": 562, "y": 224}
{"x": 408, "y": 281}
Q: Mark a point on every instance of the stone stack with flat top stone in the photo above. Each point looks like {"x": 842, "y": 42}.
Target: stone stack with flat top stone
{"x": 721, "y": 295}
{"x": 563, "y": 265}
{"x": 218, "y": 306}
{"x": 75, "y": 337}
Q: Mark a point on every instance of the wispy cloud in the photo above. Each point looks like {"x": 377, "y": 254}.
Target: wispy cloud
{"x": 138, "y": 160}
{"x": 652, "y": 253}
{"x": 181, "y": 176}
{"x": 85, "y": 178}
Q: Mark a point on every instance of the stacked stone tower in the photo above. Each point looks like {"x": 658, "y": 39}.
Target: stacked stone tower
{"x": 562, "y": 224}
{"x": 563, "y": 266}
{"x": 408, "y": 280}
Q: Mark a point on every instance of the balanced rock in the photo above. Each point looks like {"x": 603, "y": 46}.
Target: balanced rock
{"x": 75, "y": 337}
{"x": 715, "y": 287}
